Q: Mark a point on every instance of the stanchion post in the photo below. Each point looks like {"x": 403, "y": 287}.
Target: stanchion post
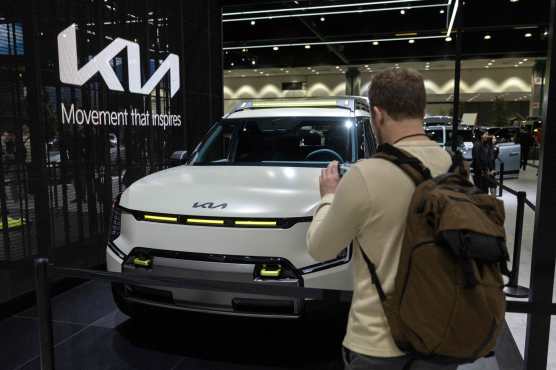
{"x": 513, "y": 289}
{"x": 501, "y": 181}
{"x": 44, "y": 313}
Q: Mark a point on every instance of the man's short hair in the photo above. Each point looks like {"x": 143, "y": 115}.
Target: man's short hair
{"x": 400, "y": 92}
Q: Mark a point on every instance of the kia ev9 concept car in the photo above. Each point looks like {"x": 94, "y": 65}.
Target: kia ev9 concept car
{"x": 239, "y": 210}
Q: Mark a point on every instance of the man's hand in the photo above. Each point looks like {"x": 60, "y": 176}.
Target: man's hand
{"x": 329, "y": 179}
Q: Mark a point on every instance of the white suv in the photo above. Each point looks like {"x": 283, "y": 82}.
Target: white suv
{"x": 239, "y": 210}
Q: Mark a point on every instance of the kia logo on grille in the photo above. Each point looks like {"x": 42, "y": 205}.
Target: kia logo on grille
{"x": 209, "y": 205}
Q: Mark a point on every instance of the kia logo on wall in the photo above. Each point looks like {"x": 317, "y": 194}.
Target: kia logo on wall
{"x": 71, "y": 74}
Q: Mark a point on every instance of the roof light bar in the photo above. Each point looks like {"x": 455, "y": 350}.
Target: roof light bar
{"x": 160, "y": 218}
{"x": 285, "y": 103}
{"x": 297, "y": 15}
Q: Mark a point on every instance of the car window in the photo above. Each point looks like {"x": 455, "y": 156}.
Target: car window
{"x": 276, "y": 140}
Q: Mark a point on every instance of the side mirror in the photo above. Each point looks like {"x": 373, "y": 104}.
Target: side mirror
{"x": 179, "y": 157}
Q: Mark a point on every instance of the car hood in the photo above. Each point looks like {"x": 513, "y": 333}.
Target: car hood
{"x": 246, "y": 191}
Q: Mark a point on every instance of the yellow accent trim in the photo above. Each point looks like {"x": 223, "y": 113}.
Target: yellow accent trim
{"x": 161, "y": 218}
{"x": 256, "y": 223}
{"x": 205, "y": 221}
{"x": 142, "y": 262}
{"x": 270, "y": 273}
{"x": 305, "y": 103}
{"x": 12, "y": 222}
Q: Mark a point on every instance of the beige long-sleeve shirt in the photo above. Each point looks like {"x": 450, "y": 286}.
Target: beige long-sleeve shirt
{"x": 370, "y": 207}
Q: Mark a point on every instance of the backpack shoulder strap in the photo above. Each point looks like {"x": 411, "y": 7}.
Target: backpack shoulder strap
{"x": 374, "y": 276}
{"x": 412, "y": 166}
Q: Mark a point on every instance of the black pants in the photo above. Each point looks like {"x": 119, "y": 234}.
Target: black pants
{"x": 524, "y": 157}
{"x": 356, "y": 361}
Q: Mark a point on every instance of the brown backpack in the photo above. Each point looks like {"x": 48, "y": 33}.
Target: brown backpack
{"x": 448, "y": 305}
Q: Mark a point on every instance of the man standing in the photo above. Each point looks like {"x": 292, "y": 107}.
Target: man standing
{"x": 369, "y": 206}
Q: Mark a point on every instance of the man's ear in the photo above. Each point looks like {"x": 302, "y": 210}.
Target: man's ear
{"x": 378, "y": 115}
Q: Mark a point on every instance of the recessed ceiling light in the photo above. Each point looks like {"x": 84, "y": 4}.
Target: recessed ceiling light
{"x": 282, "y": 69}
{"x": 490, "y": 63}
{"x": 275, "y": 48}
{"x": 514, "y": 1}
{"x": 287, "y": 71}
{"x": 309, "y": 68}
{"x": 243, "y": 76}
{"x": 307, "y": 46}
{"x": 487, "y": 37}
{"x": 244, "y": 50}
{"x": 487, "y": 66}
{"x": 441, "y": 11}
{"x": 266, "y": 74}
{"x": 253, "y": 23}
{"x": 516, "y": 65}
{"x": 318, "y": 72}
{"x": 520, "y": 63}
{"x": 253, "y": 62}
{"x": 402, "y": 11}
{"x": 366, "y": 66}
{"x": 411, "y": 41}
{"x": 255, "y": 70}
{"x": 261, "y": 72}
{"x": 448, "y": 39}
{"x": 375, "y": 43}
{"x": 232, "y": 64}
{"x": 322, "y": 19}
{"x": 525, "y": 59}
{"x": 546, "y": 33}
{"x": 528, "y": 34}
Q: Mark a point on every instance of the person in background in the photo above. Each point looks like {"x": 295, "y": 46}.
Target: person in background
{"x": 525, "y": 141}
{"x": 483, "y": 162}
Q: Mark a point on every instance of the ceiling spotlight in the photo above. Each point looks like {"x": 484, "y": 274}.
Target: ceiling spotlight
{"x": 253, "y": 23}
{"x": 520, "y": 63}
{"x": 337, "y": 67}
{"x": 255, "y": 70}
{"x": 282, "y": 69}
{"x": 366, "y": 66}
{"x": 514, "y": 1}
{"x": 287, "y": 71}
{"x": 525, "y": 59}
{"x": 411, "y": 41}
{"x": 402, "y": 12}
{"x": 487, "y": 66}
{"x": 318, "y": 72}
{"x": 322, "y": 19}
{"x": 243, "y": 76}
{"x": 441, "y": 11}
{"x": 516, "y": 65}
{"x": 375, "y": 43}
{"x": 448, "y": 39}
{"x": 307, "y": 46}
{"x": 487, "y": 37}
{"x": 261, "y": 72}
{"x": 253, "y": 62}
{"x": 266, "y": 74}
{"x": 490, "y": 63}
{"x": 275, "y": 48}
{"x": 244, "y": 50}
{"x": 546, "y": 33}
{"x": 309, "y": 68}
{"x": 232, "y": 64}
{"x": 528, "y": 34}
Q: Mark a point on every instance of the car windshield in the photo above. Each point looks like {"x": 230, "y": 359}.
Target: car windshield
{"x": 437, "y": 134}
{"x": 312, "y": 141}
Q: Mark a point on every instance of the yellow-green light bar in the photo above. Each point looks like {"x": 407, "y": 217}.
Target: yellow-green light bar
{"x": 204, "y": 221}
{"x": 161, "y": 218}
{"x": 305, "y": 103}
{"x": 256, "y": 223}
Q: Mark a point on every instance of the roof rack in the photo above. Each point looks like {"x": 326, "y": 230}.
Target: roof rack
{"x": 343, "y": 102}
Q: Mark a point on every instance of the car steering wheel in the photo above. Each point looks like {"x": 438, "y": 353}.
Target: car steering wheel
{"x": 325, "y": 151}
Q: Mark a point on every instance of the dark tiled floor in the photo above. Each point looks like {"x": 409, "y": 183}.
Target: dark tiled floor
{"x": 90, "y": 333}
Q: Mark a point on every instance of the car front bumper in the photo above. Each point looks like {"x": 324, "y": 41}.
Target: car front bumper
{"x": 240, "y": 270}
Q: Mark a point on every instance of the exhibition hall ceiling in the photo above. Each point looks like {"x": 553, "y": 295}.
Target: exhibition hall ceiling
{"x": 265, "y": 33}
